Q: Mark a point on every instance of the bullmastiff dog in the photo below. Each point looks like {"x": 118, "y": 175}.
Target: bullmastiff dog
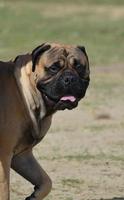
{"x": 32, "y": 88}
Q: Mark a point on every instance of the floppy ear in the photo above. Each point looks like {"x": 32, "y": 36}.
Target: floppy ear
{"x": 37, "y": 52}
{"x": 82, "y": 48}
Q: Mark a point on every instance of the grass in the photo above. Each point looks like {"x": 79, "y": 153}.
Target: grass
{"x": 96, "y": 24}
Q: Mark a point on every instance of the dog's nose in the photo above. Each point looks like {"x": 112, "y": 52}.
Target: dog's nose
{"x": 69, "y": 79}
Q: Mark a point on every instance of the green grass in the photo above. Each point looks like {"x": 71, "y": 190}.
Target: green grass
{"x": 106, "y": 2}
{"x": 96, "y": 24}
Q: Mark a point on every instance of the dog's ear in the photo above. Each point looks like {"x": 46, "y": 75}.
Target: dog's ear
{"x": 82, "y": 48}
{"x": 37, "y": 52}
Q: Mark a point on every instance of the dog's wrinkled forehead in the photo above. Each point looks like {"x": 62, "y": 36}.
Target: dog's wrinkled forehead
{"x": 54, "y": 54}
{"x": 65, "y": 54}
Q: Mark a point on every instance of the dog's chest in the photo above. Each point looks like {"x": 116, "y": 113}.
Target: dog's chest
{"x": 29, "y": 138}
{"x": 44, "y": 125}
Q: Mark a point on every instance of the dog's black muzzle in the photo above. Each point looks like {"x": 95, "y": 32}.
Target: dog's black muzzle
{"x": 63, "y": 92}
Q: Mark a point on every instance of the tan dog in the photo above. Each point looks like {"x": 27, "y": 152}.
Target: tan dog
{"x": 32, "y": 88}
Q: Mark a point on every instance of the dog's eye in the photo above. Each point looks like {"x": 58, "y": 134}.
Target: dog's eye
{"x": 54, "y": 68}
{"x": 81, "y": 69}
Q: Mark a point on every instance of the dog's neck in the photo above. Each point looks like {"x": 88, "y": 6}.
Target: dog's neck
{"x": 32, "y": 97}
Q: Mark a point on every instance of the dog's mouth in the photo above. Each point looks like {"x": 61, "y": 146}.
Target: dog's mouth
{"x": 68, "y": 98}
{"x": 62, "y": 103}
{"x": 67, "y": 102}
{"x": 61, "y": 98}
{"x": 58, "y": 102}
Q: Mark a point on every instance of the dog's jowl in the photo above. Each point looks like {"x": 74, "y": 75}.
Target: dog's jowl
{"x": 32, "y": 88}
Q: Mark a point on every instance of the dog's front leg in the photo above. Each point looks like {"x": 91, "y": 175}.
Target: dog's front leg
{"x": 26, "y": 165}
{"x": 5, "y": 161}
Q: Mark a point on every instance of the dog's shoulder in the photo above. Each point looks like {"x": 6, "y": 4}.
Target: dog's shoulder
{"x": 6, "y": 68}
{"x": 22, "y": 60}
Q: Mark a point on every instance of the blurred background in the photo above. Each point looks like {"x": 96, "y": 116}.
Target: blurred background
{"x": 84, "y": 150}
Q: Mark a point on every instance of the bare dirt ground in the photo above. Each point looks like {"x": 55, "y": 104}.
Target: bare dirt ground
{"x": 84, "y": 150}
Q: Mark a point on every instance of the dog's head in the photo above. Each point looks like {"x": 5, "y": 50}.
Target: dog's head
{"x": 62, "y": 74}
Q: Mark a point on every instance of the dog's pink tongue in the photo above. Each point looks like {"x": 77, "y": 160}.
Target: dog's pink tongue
{"x": 69, "y": 98}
